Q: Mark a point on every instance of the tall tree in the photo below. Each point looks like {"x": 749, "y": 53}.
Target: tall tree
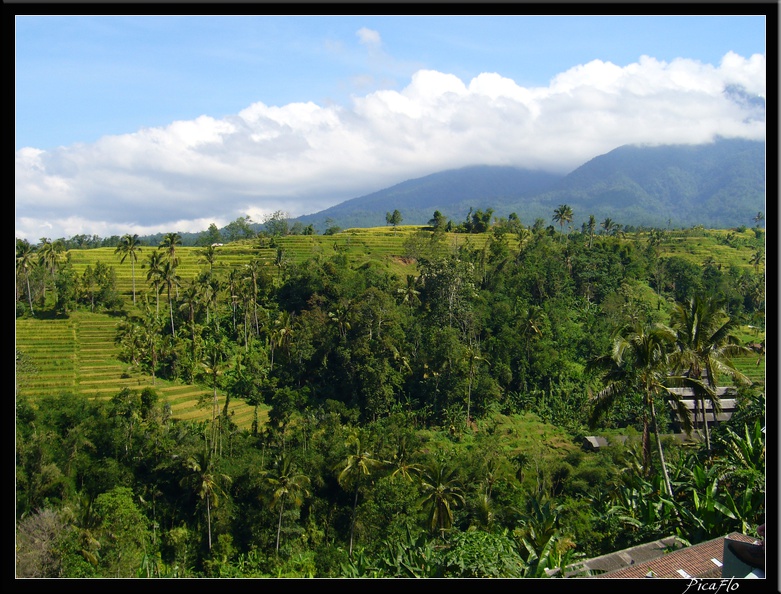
{"x": 213, "y": 364}
{"x": 591, "y": 226}
{"x": 394, "y": 219}
{"x": 129, "y": 247}
{"x": 357, "y": 467}
{"x": 154, "y": 275}
{"x": 49, "y": 257}
{"x": 209, "y": 255}
{"x": 562, "y": 215}
{"x": 286, "y": 485}
{"x": 171, "y": 278}
{"x": 706, "y": 346}
{"x": 757, "y": 258}
{"x": 206, "y": 482}
{"x": 442, "y": 492}
{"x": 25, "y": 263}
{"x": 639, "y": 363}
{"x": 168, "y": 245}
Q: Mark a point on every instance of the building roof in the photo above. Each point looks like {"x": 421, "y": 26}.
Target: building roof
{"x": 703, "y": 560}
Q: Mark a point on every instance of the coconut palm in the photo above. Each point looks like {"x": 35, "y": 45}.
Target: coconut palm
{"x": 191, "y": 303}
{"x": 171, "y": 279}
{"x": 129, "y": 247}
{"x": 168, "y": 245}
{"x": 253, "y": 270}
{"x": 206, "y": 483}
{"x": 209, "y": 255}
{"x": 154, "y": 275}
{"x": 353, "y": 470}
{"x": 757, "y": 259}
{"x": 608, "y": 225}
{"x": 24, "y": 263}
{"x": 442, "y": 492}
{"x": 706, "y": 346}
{"x": 410, "y": 293}
{"x": 562, "y": 215}
{"x": 49, "y": 257}
{"x": 592, "y": 224}
{"x": 639, "y": 363}
{"x": 286, "y": 485}
{"x": 213, "y": 364}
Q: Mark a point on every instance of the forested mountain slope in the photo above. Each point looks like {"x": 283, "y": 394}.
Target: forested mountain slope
{"x": 717, "y": 185}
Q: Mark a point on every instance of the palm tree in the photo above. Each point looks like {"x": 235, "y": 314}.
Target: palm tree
{"x": 639, "y": 363}
{"x": 354, "y": 469}
{"x": 757, "y": 258}
{"x": 48, "y": 257}
{"x": 168, "y": 245}
{"x": 562, "y": 215}
{"x": 759, "y": 217}
{"x": 191, "y": 301}
{"x": 402, "y": 460}
{"x": 442, "y": 492}
{"x": 280, "y": 334}
{"x": 253, "y": 269}
{"x": 25, "y": 262}
{"x": 608, "y": 225}
{"x": 129, "y": 247}
{"x": 592, "y": 224}
{"x": 286, "y": 484}
{"x": 206, "y": 482}
{"x": 706, "y": 345}
{"x": 150, "y": 337}
{"x": 171, "y": 278}
{"x": 409, "y": 293}
{"x": 209, "y": 255}
{"x": 155, "y": 274}
{"x": 213, "y": 362}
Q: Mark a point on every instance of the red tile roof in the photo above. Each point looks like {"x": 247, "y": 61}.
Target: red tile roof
{"x": 688, "y": 562}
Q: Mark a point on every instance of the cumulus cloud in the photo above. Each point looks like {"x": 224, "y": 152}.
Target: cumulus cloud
{"x": 302, "y": 157}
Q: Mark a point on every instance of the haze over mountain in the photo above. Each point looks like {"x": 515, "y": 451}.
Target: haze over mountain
{"x": 717, "y": 185}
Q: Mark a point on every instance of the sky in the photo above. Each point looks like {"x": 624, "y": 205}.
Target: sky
{"x": 153, "y": 124}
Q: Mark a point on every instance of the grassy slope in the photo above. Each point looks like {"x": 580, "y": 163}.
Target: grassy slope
{"x": 78, "y": 354}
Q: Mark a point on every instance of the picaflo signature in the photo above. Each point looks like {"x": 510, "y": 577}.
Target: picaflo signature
{"x": 699, "y": 585}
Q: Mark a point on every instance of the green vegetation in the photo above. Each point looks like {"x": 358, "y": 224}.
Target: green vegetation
{"x": 400, "y": 401}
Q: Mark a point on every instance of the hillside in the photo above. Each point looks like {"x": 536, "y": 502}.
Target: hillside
{"x": 719, "y": 185}
{"x": 78, "y": 354}
{"x": 451, "y": 192}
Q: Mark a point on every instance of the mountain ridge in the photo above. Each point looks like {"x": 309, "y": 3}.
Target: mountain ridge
{"x": 717, "y": 185}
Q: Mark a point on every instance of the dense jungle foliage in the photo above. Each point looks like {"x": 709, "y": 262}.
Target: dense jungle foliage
{"x": 426, "y": 424}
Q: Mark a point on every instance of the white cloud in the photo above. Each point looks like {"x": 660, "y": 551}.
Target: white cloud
{"x": 303, "y": 157}
{"x": 369, "y": 37}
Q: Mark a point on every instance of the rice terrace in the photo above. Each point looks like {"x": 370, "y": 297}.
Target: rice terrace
{"x": 383, "y": 353}
{"x": 79, "y": 353}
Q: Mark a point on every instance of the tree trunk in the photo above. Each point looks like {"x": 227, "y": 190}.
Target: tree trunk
{"x": 705, "y": 424}
{"x": 279, "y": 524}
{"x": 209, "y": 521}
{"x": 667, "y": 484}
{"x": 352, "y": 524}
{"x": 29, "y": 295}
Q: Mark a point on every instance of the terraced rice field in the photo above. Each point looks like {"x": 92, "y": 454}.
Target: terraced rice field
{"x": 78, "y": 355}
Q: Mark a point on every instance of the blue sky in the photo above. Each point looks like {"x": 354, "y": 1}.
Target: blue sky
{"x": 182, "y": 121}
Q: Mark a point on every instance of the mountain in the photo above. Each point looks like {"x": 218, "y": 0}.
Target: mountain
{"x": 718, "y": 185}
{"x": 451, "y": 192}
